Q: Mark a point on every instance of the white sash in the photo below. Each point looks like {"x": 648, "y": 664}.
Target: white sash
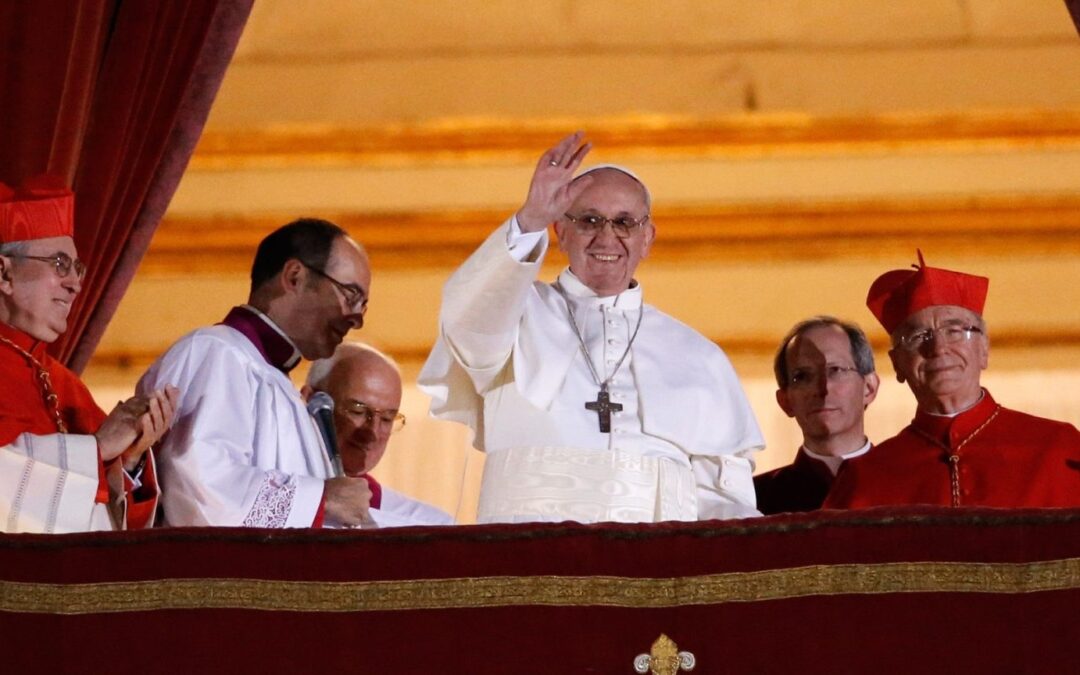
{"x": 555, "y": 484}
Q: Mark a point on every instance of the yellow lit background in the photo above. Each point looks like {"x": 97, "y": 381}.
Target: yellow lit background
{"x": 795, "y": 150}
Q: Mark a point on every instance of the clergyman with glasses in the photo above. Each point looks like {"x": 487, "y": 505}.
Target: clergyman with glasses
{"x": 65, "y": 466}
{"x": 963, "y": 448}
{"x": 244, "y": 451}
{"x": 365, "y": 385}
{"x": 590, "y": 405}
{"x": 825, "y": 379}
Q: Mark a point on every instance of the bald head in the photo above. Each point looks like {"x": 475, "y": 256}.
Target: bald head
{"x": 366, "y": 387}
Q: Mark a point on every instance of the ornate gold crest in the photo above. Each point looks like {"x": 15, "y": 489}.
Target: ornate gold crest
{"x": 664, "y": 659}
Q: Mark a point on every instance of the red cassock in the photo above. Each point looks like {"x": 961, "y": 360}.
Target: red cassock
{"x": 799, "y": 486}
{"x": 23, "y": 409}
{"x": 1005, "y": 459}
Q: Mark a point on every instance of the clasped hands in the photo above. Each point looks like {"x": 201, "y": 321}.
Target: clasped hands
{"x": 136, "y": 424}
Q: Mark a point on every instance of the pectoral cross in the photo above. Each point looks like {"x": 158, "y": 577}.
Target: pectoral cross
{"x": 603, "y": 408}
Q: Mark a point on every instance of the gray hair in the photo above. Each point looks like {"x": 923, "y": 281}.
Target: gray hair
{"x": 320, "y": 370}
{"x": 861, "y": 351}
{"x": 14, "y": 248}
{"x": 980, "y": 323}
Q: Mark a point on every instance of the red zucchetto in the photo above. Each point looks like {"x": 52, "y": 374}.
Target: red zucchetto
{"x": 896, "y": 295}
{"x": 40, "y": 208}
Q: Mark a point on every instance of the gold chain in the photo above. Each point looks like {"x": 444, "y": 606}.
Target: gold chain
{"x": 52, "y": 402}
{"x": 954, "y": 453}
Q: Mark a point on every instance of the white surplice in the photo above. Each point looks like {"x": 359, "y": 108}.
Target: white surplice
{"x": 508, "y": 364}
{"x": 243, "y": 450}
{"x": 48, "y": 484}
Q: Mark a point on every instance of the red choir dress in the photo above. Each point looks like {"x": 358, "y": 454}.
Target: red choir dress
{"x": 986, "y": 456}
{"x": 23, "y": 408}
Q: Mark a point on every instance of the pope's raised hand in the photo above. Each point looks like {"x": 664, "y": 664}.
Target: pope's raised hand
{"x": 551, "y": 192}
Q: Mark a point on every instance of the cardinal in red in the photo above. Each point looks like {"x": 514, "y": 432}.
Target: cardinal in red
{"x": 65, "y": 465}
{"x": 963, "y": 448}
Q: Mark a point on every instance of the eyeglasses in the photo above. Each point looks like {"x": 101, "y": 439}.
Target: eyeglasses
{"x": 61, "y": 261}
{"x": 913, "y": 342}
{"x": 623, "y": 226}
{"x": 391, "y": 419}
{"x": 806, "y": 377}
{"x": 354, "y": 296}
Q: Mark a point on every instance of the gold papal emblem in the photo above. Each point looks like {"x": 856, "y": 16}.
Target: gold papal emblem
{"x": 664, "y": 659}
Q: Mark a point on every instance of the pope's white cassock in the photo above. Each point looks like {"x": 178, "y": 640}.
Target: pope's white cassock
{"x": 243, "y": 450}
{"x": 508, "y": 364}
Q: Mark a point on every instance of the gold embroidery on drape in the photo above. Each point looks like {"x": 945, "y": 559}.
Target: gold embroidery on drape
{"x": 556, "y": 591}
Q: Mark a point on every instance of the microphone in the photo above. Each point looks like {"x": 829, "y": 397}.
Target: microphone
{"x": 321, "y": 407}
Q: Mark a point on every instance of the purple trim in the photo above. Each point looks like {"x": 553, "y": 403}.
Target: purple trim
{"x": 278, "y": 352}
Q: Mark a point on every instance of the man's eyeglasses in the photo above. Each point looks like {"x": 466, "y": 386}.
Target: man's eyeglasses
{"x": 806, "y": 377}
{"x": 365, "y": 414}
{"x": 622, "y": 226}
{"x": 61, "y": 261}
{"x": 354, "y": 296}
{"x": 914, "y": 341}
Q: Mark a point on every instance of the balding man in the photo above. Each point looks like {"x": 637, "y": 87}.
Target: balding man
{"x": 365, "y": 385}
{"x": 963, "y": 448}
{"x": 244, "y": 451}
{"x": 591, "y": 405}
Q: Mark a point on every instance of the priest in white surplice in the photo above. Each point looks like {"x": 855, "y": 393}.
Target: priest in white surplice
{"x": 244, "y": 451}
{"x": 591, "y": 405}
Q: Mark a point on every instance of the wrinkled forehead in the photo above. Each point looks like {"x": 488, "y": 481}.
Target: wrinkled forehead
{"x": 613, "y": 176}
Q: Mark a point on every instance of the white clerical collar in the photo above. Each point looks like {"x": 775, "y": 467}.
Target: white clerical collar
{"x": 628, "y": 299}
{"x": 834, "y": 462}
{"x": 296, "y": 356}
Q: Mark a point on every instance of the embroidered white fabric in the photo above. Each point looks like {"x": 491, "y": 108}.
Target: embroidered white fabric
{"x": 273, "y": 503}
{"x": 48, "y": 484}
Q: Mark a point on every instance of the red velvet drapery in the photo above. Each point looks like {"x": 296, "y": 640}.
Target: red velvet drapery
{"x": 895, "y": 590}
{"x": 111, "y": 95}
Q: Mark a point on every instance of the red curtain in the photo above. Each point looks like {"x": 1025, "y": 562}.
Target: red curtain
{"x": 111, "y": 95}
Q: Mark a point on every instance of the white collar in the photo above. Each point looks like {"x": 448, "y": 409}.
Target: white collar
{"x": 628, "y": 299}
{"x": 834, "y": 462}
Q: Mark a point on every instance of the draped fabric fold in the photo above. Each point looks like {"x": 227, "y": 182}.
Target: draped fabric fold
{"x": 111, "y": 95}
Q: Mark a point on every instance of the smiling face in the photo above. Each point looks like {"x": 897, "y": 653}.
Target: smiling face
{"x": 322, "y": 315}
{"x": 602, "y": 261}
{"x": 362, "y": 377}
{"x": 944, "y": 376}
{"x": 33, "y": 297}
{"x": 827, "y": 396}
